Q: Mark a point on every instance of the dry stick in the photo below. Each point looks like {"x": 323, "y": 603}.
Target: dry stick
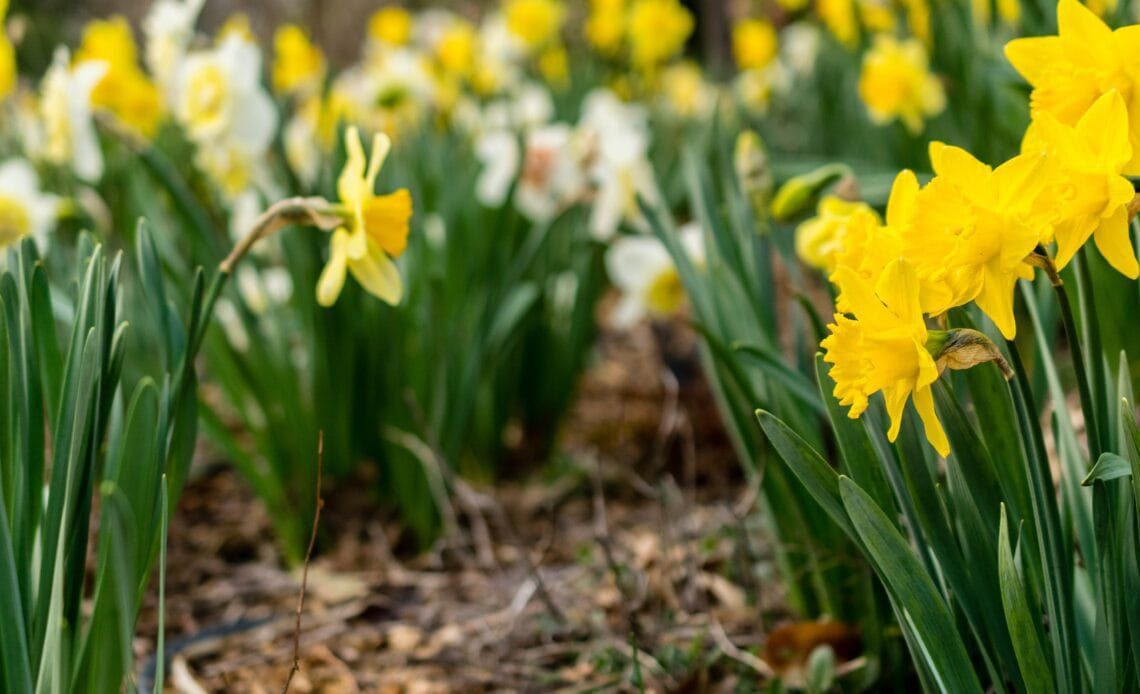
{"x": 729, "y": 649}
{"x": 305, "y": 570}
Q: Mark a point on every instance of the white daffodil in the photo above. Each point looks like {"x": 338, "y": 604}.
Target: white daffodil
{"x": 617, "y": 137}
{"x": 227, "y": 112}
{"x": 169, "y": 28}
{"x": 25, "y": 210}
{"x": 498, "y": 152}
{"x": 799, "y": 46}
{"x": 386, "y": 93}
{"x": 551, "y": 176}
{"x": 302, "y": 141}
{"x": 65, "y": 108}
{"x": 642, "y": 270}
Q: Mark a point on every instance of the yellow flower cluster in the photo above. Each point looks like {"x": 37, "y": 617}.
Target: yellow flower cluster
{"x": 124, "y": 91}
{"x": 653, "y": 31}
{"x": 298, "y": 64}
{"x": 973, "y": 231}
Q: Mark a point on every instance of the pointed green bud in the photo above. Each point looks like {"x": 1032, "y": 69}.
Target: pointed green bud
{"x": 799, "y": 194}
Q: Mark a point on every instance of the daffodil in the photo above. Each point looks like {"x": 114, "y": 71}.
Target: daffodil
{"x": 1070, "y": 71}
{"x": 840, "y": 19}
{"x": 7, "y": 57}
{"x": 298, "y": 64}
{"x": 124, "y": 91}
{"x": 25, "y": 211}
{"x": 65, "y": 109}
{"x": 896, "y": 83}
{"x": 391, "y": 25}
{"x": 376, "y": 230}
{"x": 605, "y": 25}
{"x": 1085, "y": 186}
{"x": 754, "y": 44}
{"x": 536, "y": 23}
{"x": 819, "y": 239}
{"x": 687, "y": 93}
{"x": 643, "y": 271}
{"x": 882, "y": 347}
{"x": 227, "y": 112}
{"x": 973, "y": 228}
{"x": 618, "y": 144}
{"x": 169, "y": 29}
{"x": 658, "y": 30}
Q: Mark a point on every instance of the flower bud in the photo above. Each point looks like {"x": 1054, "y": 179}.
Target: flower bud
{"x": 799, "y": 193}
{"x": 963, "y": 348}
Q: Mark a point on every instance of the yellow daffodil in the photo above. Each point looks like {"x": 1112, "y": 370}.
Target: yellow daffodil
{"x": 377, "y": 228}
{"x": 7, "y": 57}
{"x": 896, "y": 83}
{"x": 1090, "y": 196}
{"x": 1072, "y": 70}
{"x": 605, "y": 25}
{"x": 391, "y": 25}
{"x": 554, "y": 66}
{"x": 298, "y": 64}
{"x": 687, "y": 93}
{"x": 973, "y": 228}
{"x": 536, "y": 23}
{"x": 840, "y": 19}
{"x": 918, "y": 19}
{"x": 820, "y": 238}
{"x": 456, "y": 49}
{"x": 124, "y": 91}
{"x": 754, "y": 44}
{"x": 882, "y": 347}
{"x": 658, "y": 30}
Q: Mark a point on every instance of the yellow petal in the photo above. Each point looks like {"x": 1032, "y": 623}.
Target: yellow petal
{"x": 1079, "y": 24}
{"x": 381, "y": 145}
{"x": 895, "y": 397}
{"x": 898, "y": 289}
{"x": 376, "y": 272}
{"x": 386, "y": 221}
{"x": 900, "y": 206}
{"x": 1114, "y": 242}
{"x": 1034, "y": 57}
{"x": 349, "y": 185}
{"x": 332, "y": 277}
{"x": 1104, "y": 127}
{"x": 996, "y": 300}
{"x": 935, "y": 434}
{"x": 957, "y": 165}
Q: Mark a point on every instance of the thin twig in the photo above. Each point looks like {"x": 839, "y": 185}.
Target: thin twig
{"x": 305, "y": 569}
{"x": 744, "y": 657}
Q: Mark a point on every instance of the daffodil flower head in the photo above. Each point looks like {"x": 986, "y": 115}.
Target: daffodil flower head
{"x": 535, "y": 22}
{"x": 1085, "y": 186}
{"x": 819, "y": 239}
{"x": 298, "y": 64}
{"x": 1086, "y": 59}
{"x": 124, "y": 91}
{"x": 974, "y": 226}
{"x": 658, "y": 30}
{"x": 376, "y": 229}
{"x": 882, "y": 347}
{"x": 896, "y": 83}
{"x": 754, "y": 44}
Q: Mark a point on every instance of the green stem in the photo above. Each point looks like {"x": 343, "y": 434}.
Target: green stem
{"x": 1098, "y": 384}
{"x": 1080, "y": 365}
{"x": 1055, "y": 557}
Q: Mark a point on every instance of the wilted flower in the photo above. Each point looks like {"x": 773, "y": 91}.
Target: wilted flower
{"x": 1072, "y": 70}
{"x": 25, "y": 211}
{"x": 376, "y": 229}
{"x": 642, "y": 270}
{"x": 754, "y": 44}
{"x": 1085, "y": 186}
{"x": 896, "y": 83}
{"x": 65, "y": 108}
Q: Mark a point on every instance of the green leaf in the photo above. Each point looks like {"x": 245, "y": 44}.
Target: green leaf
{"x": 773, "y": 365}
{"x": 1109, "y": 466}
{"x": 1024, "y": 625}
{"x": 924, "y": 612}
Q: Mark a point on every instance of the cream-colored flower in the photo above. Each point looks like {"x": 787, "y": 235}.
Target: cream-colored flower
{"x": 65, "y": 107}
{"x": 643, "y": 271}
{"x": 25, "y": 210}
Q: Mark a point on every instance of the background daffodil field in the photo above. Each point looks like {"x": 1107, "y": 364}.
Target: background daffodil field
{"x": 557, "y": 345}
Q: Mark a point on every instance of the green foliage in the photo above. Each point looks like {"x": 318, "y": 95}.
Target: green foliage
{"x": 91, "y": 458}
